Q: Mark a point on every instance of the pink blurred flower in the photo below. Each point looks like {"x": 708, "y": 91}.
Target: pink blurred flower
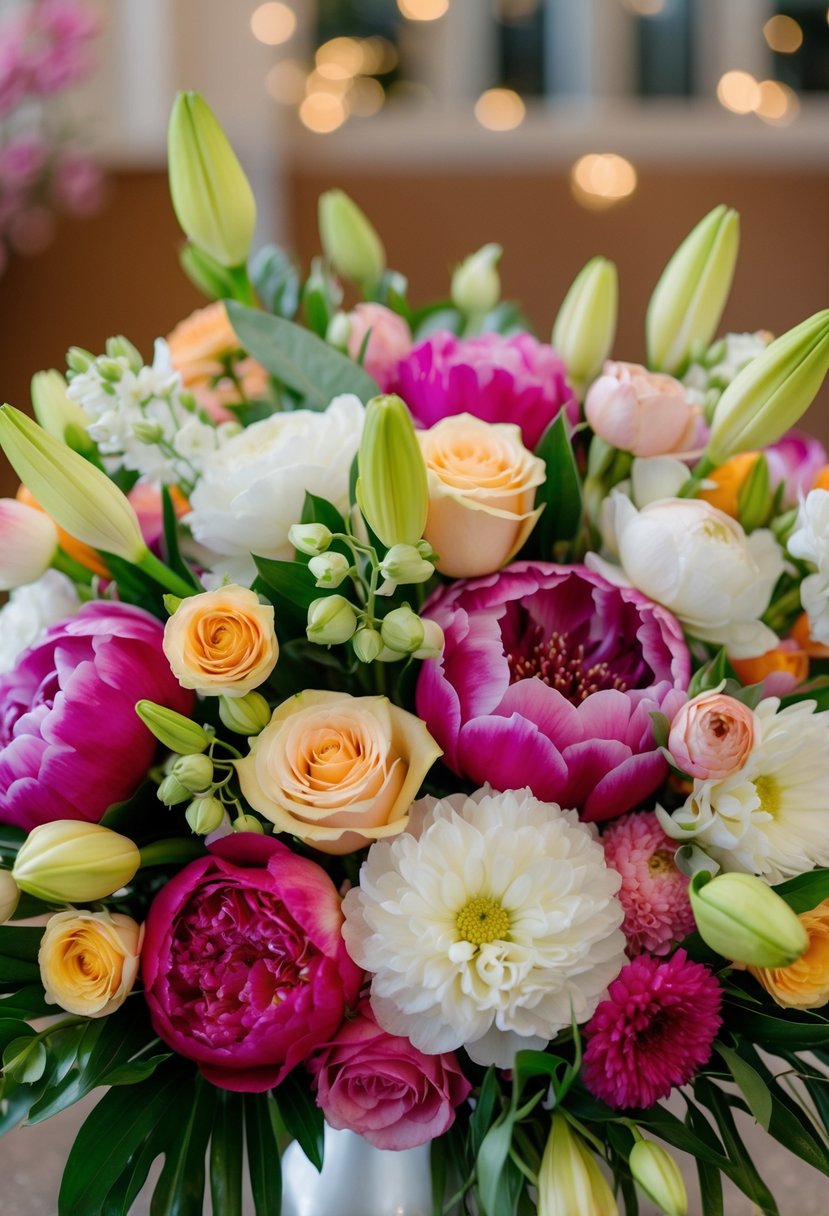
{"x": 390, "y": 341}
{"x": 548, "y": 678}
{"x": 383, "y": 1088}
{"x": 654, "y": 894}
{"x": 57, "y": 46}
{"x": 795, "y": 461}
{"x": 643, "y": 412}
{"x": 78, "y": 183}
{"x": 516, "y": 379}
{"x": 21, "y": 160}
{"x": 654, "y": 1031}
{"x": 244, "y": 965}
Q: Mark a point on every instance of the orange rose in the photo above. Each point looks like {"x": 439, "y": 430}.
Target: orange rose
{"x": 787, "y": 658}
{"x": 221, "y": 642}
{"x": 730, "y": 479}
{"x": 804, "y": 984}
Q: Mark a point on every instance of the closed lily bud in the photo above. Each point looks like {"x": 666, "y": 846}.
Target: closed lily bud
{"x": 329, "y": 569}
{"x": 247, "y": 715}
{"x": 248, "y": 823}
{"x": 402, "y": 630}
{"x": 740, "y": 917}
{"x": 171, "y": 792}
{"x": 392, "y": 486}
{"x": 367, "y": 644}
{"x": 206, "y": 273}
{"x": 310, "y": 538}
{"x": 69, "y": 861}
{"x": 476, "y": 284}
{"x": 688, "y": 301}
{"x": 570, "y": 1182}
{"x": 404, "y": 564}
{"x": 204, "y": 815}
{"x": 60, "y": 417}
{"x": 433, "y": 641}
{"x": 348, "y": 239}
{"x": 194, "y": 772}
{"x": 28, "y": 544}
{"x": 180, "y": 734}
{"x": 9, "y": 896}
{"x": 331, "y": 619}
{"x": 659, "y": 1177}
{"x": 585, "y": 327}
{"x": 211, "y": 195}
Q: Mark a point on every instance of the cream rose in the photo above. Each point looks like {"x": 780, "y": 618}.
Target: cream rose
{"x": 89, "y": 960}
{"x": 221, "y": 642}
{"x": 337, "y": 771}
{"x": 482, "y": 483}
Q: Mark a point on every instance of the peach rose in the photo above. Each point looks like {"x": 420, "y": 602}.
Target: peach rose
{"x": 804, "y": 984}
{"x": 200, "y": 348}
{"x": 711, "y": 736}
{"x": 645, "y": 413}
{"x": 221, "y": 642}
{"x": 390, "y": 341}
{"x": 89, "y": 960}
{"x": 337, "y": 771}
{"x": 482, "y": 483}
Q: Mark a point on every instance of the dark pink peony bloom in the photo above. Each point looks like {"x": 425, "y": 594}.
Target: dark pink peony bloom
{"x": 795, "y": 461}
{"x": 653, "y": 1032}
{"x": 548, "y": 678}
{"x": 383, "y": 1088}
{"x": 244, "y": 965}
{"x": 654, "y": 894}
{"x": 71, "y": 743}
{"x": 516, "y": 379}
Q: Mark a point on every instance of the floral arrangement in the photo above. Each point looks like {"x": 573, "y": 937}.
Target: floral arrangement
{"x": 410, "y": 725}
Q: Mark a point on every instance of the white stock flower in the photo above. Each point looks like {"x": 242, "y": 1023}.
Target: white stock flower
{"x": 732, "y": 353}
{"x": 489, "y": 924}
{"x": 31, "y": 610}
{"x": 810, "y": 542}
{"x": 771, "y": 817}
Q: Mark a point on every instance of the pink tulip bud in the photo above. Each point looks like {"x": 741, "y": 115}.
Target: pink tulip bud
{"x": 28, "y": 540}
{"x": 646, "y": 413}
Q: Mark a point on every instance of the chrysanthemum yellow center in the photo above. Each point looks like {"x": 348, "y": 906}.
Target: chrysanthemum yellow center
{"x": 482, "y": 920}
{"x": 661, "y": 862}
{"x": 768, "y": 791}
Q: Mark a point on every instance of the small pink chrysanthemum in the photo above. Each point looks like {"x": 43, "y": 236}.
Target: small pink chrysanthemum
{"x": 653, "y": 1032}
{"x": 654, "y": 893}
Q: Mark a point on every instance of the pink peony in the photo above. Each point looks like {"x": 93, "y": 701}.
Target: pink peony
{"x": 71, "y": 743}
{"x": 383, "y": 1088}
{"x": 712, "y": 736}
{"x": 548, "y": 678}
{"x": 654, "y": 894}
{"x": 244, "y": 965}
{"x": 516, "y": 379}
{"x": 653, "y": 1032}
{"x": 390, "y": 341}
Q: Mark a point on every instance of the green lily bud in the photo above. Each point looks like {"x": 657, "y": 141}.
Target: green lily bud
{"x": 310, "y": 538}
{"x": 195, "y": 772}
{"x": 476, "y": 284}
{"x": 772, "y": 392}
{"x": 56, "y": 413}
{"x": 688, "y": 301}
{"x": 659, "y": 1177}
{"x": 147, "y": 432}
{"x": 248, "y": 823}
{"x": 570, "y": 1180}
{"x": 69, "y": 861}
{"x": 247, "y": 715}
{"x": 741, "y": 918}
{"x": 79, "y": 360}
{"x": 329, "y": 569}
{"x": 585, "y": 327}
{"x": 331, "y": 619}
{"x": 119, "y": 347}
{"x": 433, "y": 641}
{"x": 339, "y": 331}
{"x": 367, "y": 644}
{"x": 206, "y": 273}
{"x": 403, "y": 564}
{"x": 211, "y": 195}
{"x": 349, "y": 240}
{"x": 9, "y": 896}
{"x": 402, "y": 630}
{"x": 204, "y": 815}
{"x": 755, "y": 499}
{"x": 171, "y": 792}
{"x": 392, "y": 486}
{"x": 180, "y": 734}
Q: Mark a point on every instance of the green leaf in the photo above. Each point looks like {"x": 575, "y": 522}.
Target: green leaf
{"x": 710, "y": 675}
{"x": 180, "y": 1189}
{"x": 751, "y": 1085}
{"x": 276, "y": 280}
{"x": 13, "y": 1028}
{"x": 302, "y": 1118}
{"x": 26, "y": 1003}
{"x": 485, "y": 1109}
{"x": 561, "y": 490}
{"x": 806, "y": 891}
{"x": 20, "y": 943}
{"x": 746, "y": 1176}
{"x": 10, "y": 841}
{"x": 317, "y": 510}
{"x": 226, "y": 1151}
{"x": 172, "y": 552}
{"x": 710, "y": 1178}
{"x": 291, "y": 588}
{"x": 491, "y": 1163}
{"x": 24, "y": 1059}
{"x": 796, "y": 1033}
{"x": 299, "y": 359}
{"x": 263, "y": 1153}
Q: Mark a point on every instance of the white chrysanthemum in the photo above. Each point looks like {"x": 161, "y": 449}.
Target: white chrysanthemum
{"x": 31, "y": 610}
{"x": 810, "y": 542}
{"x": 489, "y": 925}
{"x": 771, "y": 817}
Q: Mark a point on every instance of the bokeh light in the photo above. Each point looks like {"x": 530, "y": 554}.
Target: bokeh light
{"x": 339, "y": 58}
{"x": 366, "y": 97}
{"x": 738, "y": 92}
{"x": 379, "y": 55}
{"x": 500, "y": 110}
{"x": 323, "y": 112}
{"x": 423, "y": 10}
{"x": 778, "y": 105}
{"x": 273, "y": 23}
{"x": 783, "y": 34}
{"x": 601, "y": 179}
{"x": 285, "y": 82}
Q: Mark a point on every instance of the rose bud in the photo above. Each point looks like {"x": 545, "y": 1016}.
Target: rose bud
{"x": 712, "y": 736}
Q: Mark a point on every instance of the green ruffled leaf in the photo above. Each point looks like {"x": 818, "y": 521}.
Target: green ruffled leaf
{"x": 261, "y": 1137}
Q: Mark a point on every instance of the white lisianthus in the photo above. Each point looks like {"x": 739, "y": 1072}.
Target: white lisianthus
{"x": 489, "y": 924}
{"x": 699, "y": 564}
{"x": 771, "y": 817}
{"x": 31, "y": 610}
{"x": 252, "y": 489}
{"x": 810, "y": 542}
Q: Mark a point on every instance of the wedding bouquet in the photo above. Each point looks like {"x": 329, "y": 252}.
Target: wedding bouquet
{"x": 414, "y": 726}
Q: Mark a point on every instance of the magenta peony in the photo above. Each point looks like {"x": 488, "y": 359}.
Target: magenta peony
{"x": 379, "y": 1085}
{"x": 516, "y": 379}
{"x": 548, "y": 678}
{"x": 244, "y": 965}
{"x": 71, "y": 743}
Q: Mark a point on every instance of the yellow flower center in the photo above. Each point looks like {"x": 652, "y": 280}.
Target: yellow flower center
{"x": 482, "y": 920}
{"x": 661, "y": 862}
{"x": 718, "y": 531}
{"x": 768, "y": 791}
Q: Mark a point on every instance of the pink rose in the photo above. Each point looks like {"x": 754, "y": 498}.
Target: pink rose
{"x": 711, "y": 736}
{"x": 645, "y": 413}
{"x": 383, "y": 1088}
{"x": 390, "y": 341}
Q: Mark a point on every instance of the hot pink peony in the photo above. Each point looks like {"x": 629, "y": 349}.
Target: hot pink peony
{"x": 516, "y": 379}
{"x": 654, "y": 894}
{"x": 71, "y": 743}
{"x": 548, "y": 678}
{"x": 244, "y": 965}
{"x": 380, "y": 1086}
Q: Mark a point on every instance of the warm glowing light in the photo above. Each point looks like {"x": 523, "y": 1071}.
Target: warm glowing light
{"x": 500, "y": 110}
{"x": 273, "y": 23}
{"x": 366, "y": 97}
{"x": 423, "y": 10}
{"x": 317, "y": 83}
{"x": 778, "y": 104}
{"x": 285, "y": 82}
{"x": 339, "y": 58}
{"x": 601, "y": 179}
{"x": 739, "y": 92}
{"x": 783, "y": 34}
{"x": 322, "y": 112}
{"x": 645, "y": 8}
{"x": 379, "y": 56}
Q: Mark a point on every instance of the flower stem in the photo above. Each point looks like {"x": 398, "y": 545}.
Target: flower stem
{"x": 67, "y": 565}
{"x": 149, "y": 563}
{"x": 689, "y": 489}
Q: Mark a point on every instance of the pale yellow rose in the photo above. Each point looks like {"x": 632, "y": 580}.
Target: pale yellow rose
{"x": 337, "y": 771}
{"x": 222, "y": 643}
{"x": 482, "y": 483}
{"x": 89, "y": 960}
{"x": 805, "y": 983}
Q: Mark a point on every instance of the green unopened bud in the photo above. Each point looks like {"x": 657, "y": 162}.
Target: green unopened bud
{"x": 403, "y": 564}
{"x": 9, "y": 896}
{"x": 688, "y": 301}
{"x": 56, "y": 413}
{"x": 205, "y": 273}
{"x": 171, "y": 792}
{"x": 367, "y": 644}
{"x": 204, "y": 815}
{"x": 755, "y": 500}
{"x": 329, "y": 569}
{"x": 476, "y": 284}
{"x": 331, "y": 620}
{"x": 119, "y": 347}
{"x": 68, "y": 861}
{"x": 180, "y": 734}
{"x": 147, "y": 432}
{"x": 659, "y": 1177}
{"x": 349, "y": 241}
{"x": 195, "y": 772}
{"x": 339, "y": 331}
{"x": 79, "y": 360}
{"x": 211, "y": 195}
{"x": 741, "y": 918}
{"x": 310, "y": 538}
{"x": 585, "y": 327}
{"x": 392, "y": 486}
{"x": 248, "y": 823}
{"x": 110, "y": 369}
{"x": 246, "y": 715}
{"x": 570, "y": 1181}
{"x": 402, "y": 630}
{"x": 433, "y": 641}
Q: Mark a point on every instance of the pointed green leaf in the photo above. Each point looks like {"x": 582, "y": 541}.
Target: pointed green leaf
{"x": 24, "y": 1059}
{"x": 751, "y": 1085}
{"x": 302, "y": 1117}
{"x": 226, "y": 1151}
{"x": 561, "y": 491}
{"x": 263, "y": 1153}
{"x": 180, "y": 1189}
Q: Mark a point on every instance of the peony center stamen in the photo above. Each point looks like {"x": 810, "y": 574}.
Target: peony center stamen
{"x": 768, "y": 791}
{"x": 482, "y": 920}
{"x": 553, "y": 661}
